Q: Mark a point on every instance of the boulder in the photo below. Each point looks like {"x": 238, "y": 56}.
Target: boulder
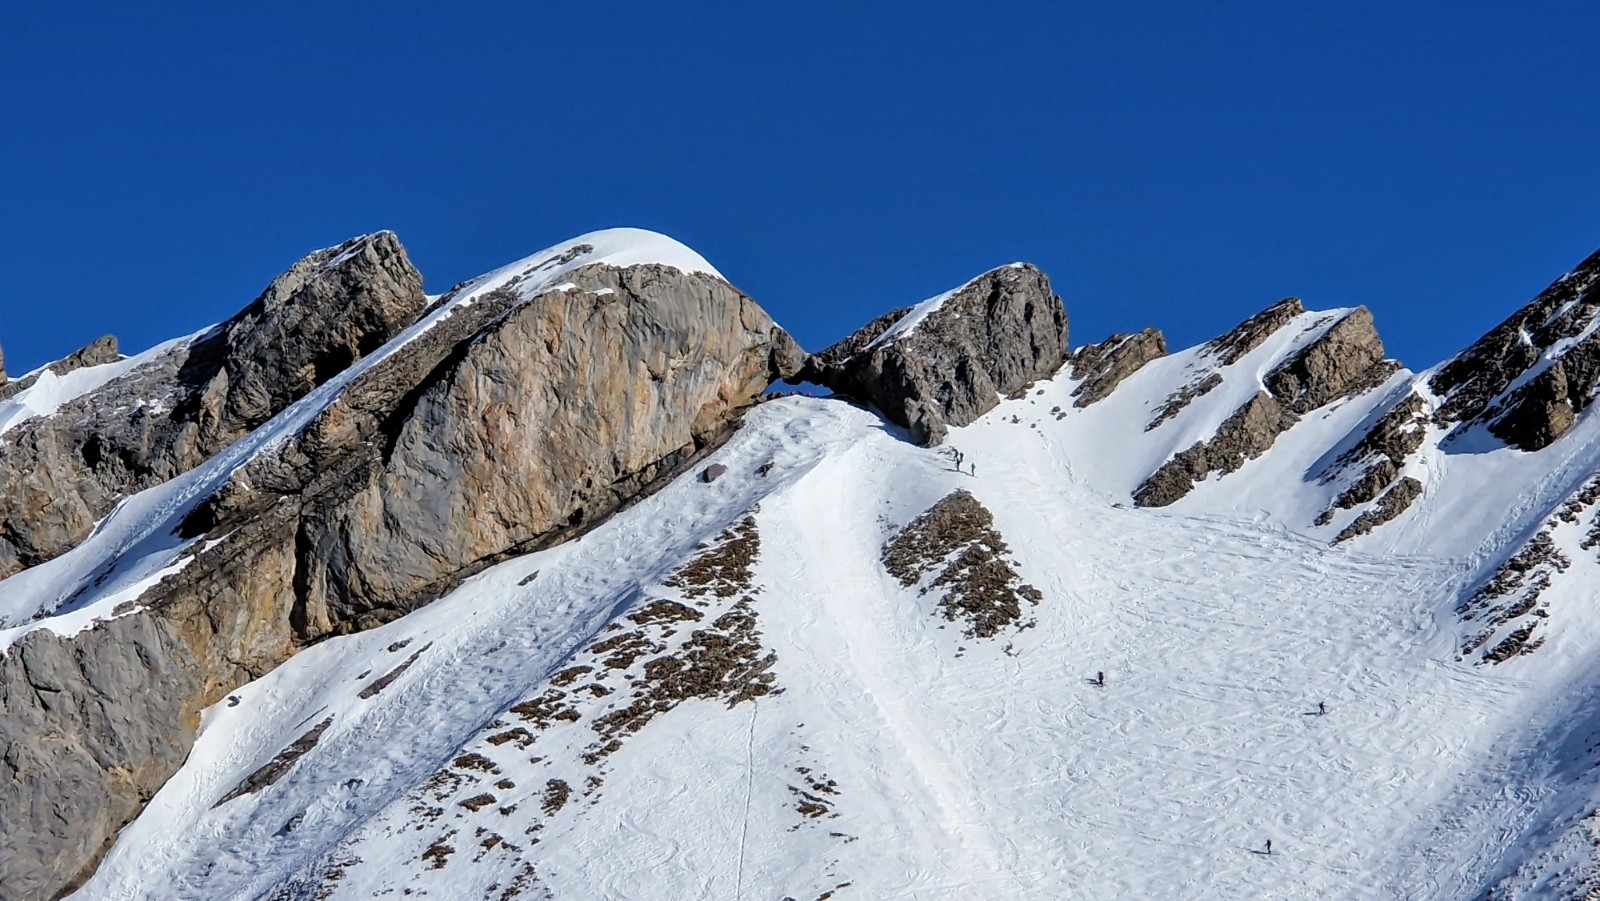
{"x": 948, "y": 361}
{"x": 713, "y": 472}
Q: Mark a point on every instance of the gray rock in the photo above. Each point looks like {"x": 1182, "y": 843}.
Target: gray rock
{"x": 1474, "y": 383}
{"x": 1394, "y": 502}
{"x": 713, "y": 472}
{"x": 60, "y": 474}
{"x": 1100, "y": 368}
{"x": 1228, "y": 348}
{"x": 101, "y": 350}
{"x": 995, "y": 335}
{"x": 1344, "y": 361}
{"x": 512, "y": 425}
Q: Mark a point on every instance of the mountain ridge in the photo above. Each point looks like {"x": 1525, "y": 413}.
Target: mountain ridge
{"x": 398, "y": 474}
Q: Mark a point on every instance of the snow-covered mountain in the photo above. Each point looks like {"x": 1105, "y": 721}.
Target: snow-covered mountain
{"x": 531, "y": 589}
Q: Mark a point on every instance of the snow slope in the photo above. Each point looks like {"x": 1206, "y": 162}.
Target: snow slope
{"x": 465, "y": 747}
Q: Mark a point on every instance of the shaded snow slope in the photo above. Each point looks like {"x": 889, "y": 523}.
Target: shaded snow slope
{"x": 466, "y": 751}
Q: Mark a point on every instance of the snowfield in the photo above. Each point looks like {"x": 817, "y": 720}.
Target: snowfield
{"x": 896, "y": 758}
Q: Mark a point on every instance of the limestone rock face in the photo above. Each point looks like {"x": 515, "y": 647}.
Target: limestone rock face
{"x": 1347, "y": 359}
{"x": 60, "y": 474}
{"x": 994, "y": 335}
{"x": 90, "y": 727}
{"x": 509, "y": 425}
{"x": 1102, "y": 367}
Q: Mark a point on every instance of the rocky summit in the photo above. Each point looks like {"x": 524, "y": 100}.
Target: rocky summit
{"x": 535, "y": 589}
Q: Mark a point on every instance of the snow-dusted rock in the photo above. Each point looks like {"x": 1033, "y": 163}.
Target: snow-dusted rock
{"x": 1345, "y": 358}
{"x": 948, "y": 360}
{"x": 164, "y": 413}
{"x": 1101, "y": 367}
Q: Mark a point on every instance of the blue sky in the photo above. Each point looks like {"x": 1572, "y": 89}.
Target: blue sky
{"x": 1179, "y": 165}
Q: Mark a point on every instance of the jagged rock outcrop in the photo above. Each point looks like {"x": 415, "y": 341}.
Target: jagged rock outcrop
{"x": 60, "y": 474}
{"x": 1345, "y": 360}
{"x": 1229, "y": 347}
{"x": 993, "y": 336}
{"x": 1100, "y": 368}
{"x": 100, "y": 351}
{"x": 509, "y": 425}
{"x": 1555, "y": 330}
{"x": 1244, "y": 435}
{"x": 1381, "y": 453}
{"x": 1526, "y": 381}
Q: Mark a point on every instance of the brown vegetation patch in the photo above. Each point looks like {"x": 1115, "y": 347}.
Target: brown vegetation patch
{"x": 521, "y": 736}
{"x": 546, "y": 709}
{"x": 556, "y": 793}
{"x": 956, "y": 541}
{"x": 476, "y": 762}
{"x": 570, "y": 675}
{"x": 622, "y": 650}
{"x": 438, "y": 853}
{"x": 724, "y": 570}
{"x": 661, "y": 612}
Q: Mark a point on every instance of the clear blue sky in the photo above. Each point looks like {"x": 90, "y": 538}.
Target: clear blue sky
{"x": 1174, "y": 164}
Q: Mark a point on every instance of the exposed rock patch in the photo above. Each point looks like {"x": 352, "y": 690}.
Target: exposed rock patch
{"x": 274, "y": 769}
{"x": 1382, "y": 451}
{"x": 993, "y": 336}
{"x": 1100, "y": 368}
{"x": 1243, "y": 436}
{"x": 1512, "y": 596}
{"x": 1197, "y": 387}
{"x": 1248, "y": 335}
{"x": 954, "y": 551}
{"x": 1345, "y": 360}
{"x": 1394, "y": 502}
{"x": 1541, "y": 410}
{"x": 98, "y": 352}
{"x": 60, "y": 474}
